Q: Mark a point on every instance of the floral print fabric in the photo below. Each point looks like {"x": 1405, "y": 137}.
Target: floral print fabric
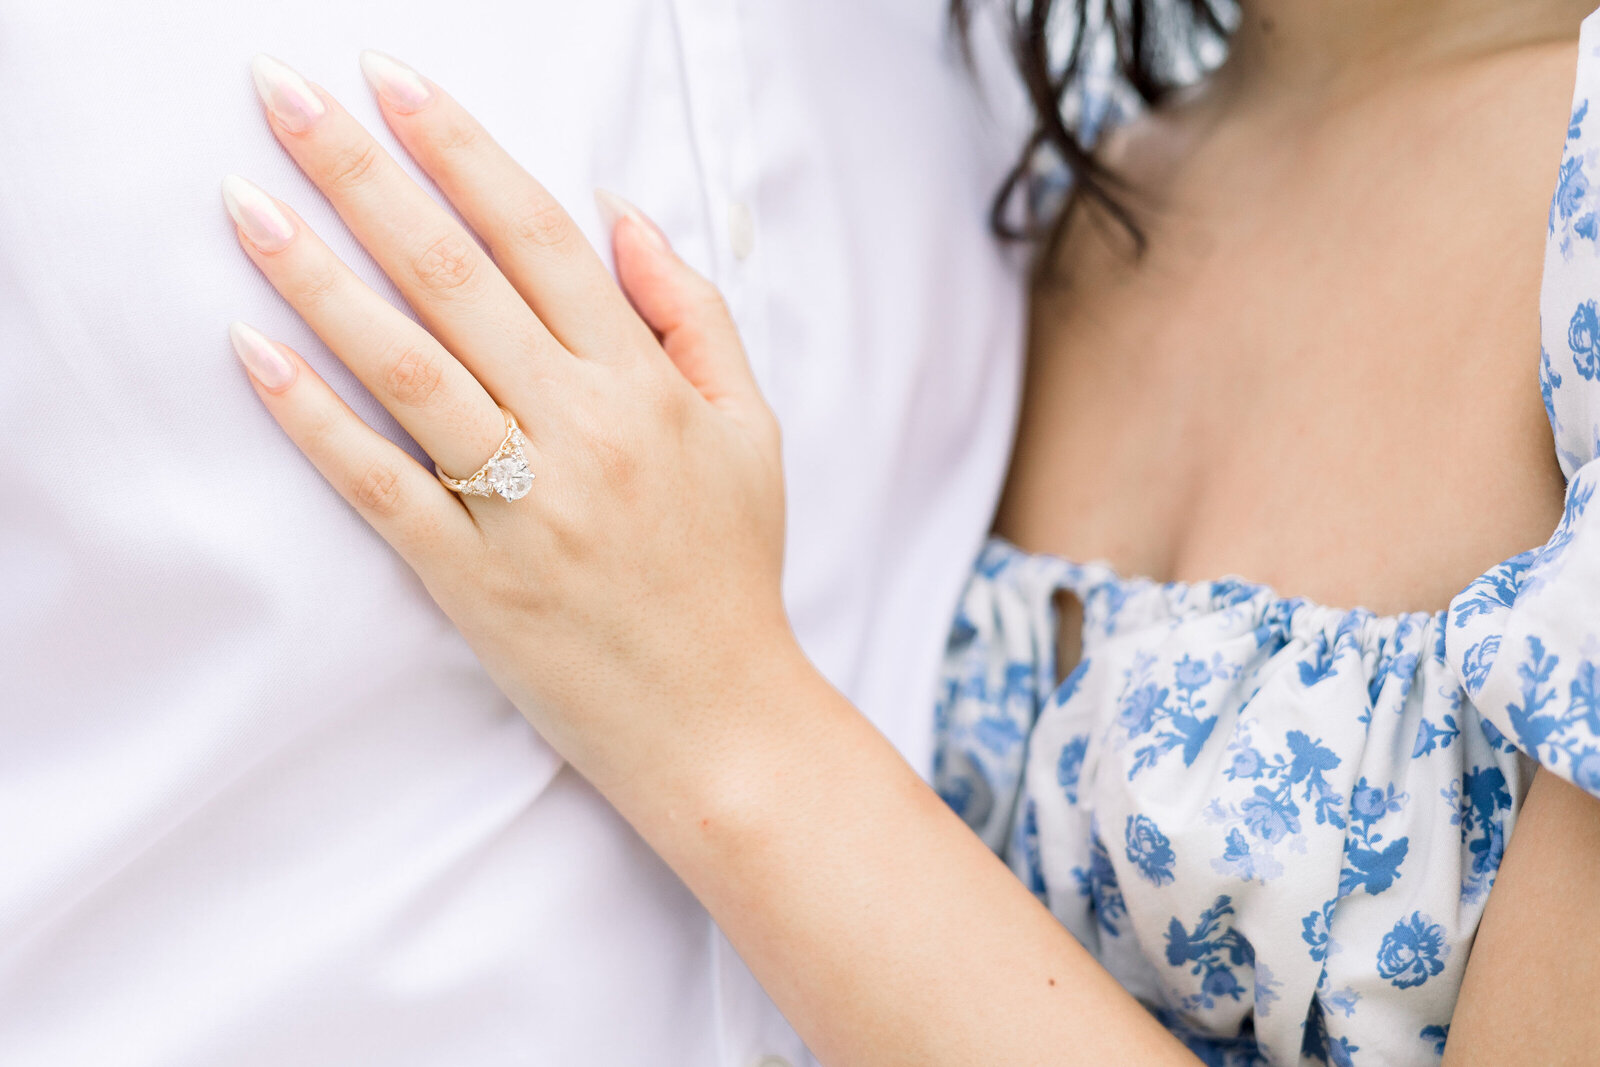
{"x": 1276, "y": 823}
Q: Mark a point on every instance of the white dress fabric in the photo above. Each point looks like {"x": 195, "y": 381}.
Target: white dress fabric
{"x": 1276, "y": 823}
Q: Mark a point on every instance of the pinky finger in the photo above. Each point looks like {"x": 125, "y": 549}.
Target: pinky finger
{"x": 408, "y": 507}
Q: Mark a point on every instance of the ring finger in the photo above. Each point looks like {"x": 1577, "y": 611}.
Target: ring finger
{"x": 429, "y": 392}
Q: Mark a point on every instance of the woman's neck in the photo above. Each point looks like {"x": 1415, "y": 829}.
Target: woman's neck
{"x": 1335, "y": 47}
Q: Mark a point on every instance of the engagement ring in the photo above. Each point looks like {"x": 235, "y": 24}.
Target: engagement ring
{"x": 506, "y": 473}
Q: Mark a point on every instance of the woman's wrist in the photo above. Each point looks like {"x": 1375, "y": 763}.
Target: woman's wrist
{"x": 739, "y": 729}
{"x": 860, "y": 900}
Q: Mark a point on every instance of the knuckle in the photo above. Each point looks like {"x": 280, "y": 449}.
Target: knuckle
{"x": 447, "y": 264}
{"x": 542, "y": 223}
{"x": 500, "y": 583}
{"x": 663, "y": 397}
{"x": 349, "y": 167}
{"x": 611, "y": 447}
{"x": 510, "y": 584}
{"x": 619, "y": 463}
{"x": 711, "y": 305}
{"x": 414, "y": 375}
{"x": 571, "y": 537}
{"x": 311, "y": 286}
{"x": 320, "y": 432}
{"x": 377, "y": 490}
{"x": 457, "y": 137}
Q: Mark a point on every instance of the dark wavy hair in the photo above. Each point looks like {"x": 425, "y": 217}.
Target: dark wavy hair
{"x": 1157, "y": 46}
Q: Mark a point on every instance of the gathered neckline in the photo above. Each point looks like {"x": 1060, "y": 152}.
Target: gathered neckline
{"x": 1106, "y": 592}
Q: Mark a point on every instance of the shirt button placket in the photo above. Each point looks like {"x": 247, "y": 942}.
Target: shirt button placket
{"x": 718, "y": 94}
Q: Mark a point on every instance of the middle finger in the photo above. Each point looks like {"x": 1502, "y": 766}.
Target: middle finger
{"x": 455, "y": 288}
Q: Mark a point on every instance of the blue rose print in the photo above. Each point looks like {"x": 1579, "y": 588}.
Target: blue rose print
{"x": 1412, "y": 952}
{"x": 1572, "y": 212}
{"x": 1098, "y": 883}
{"x": 1270, "y": 815}
{"x": 1315, "y": 931}
{"x": 1140, "y": 707}
{"x": 1149, "y": 850}
{"x": 1572, "y": 188}
{"x": 1213, "y": 950}
{"x": 1245, "y": 863}
{"x": 1371, "y": 861}
{"x": 1069, "y": 765}
{"x": 1191, "y": 673}
{"x": 1478, "y": 660}
{"x": 1549, "y": 382}
{"x": 1436, "y": 1036}
{"x": 1583, "y": 337}
{"x": 1246, "y": 763}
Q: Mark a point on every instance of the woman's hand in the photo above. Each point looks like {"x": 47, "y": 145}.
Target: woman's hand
{"x": 629, "y": 602}
{"x": 642, "y": 568}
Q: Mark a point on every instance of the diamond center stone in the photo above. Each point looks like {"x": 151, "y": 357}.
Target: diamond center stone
{"x": 509, "y": 476}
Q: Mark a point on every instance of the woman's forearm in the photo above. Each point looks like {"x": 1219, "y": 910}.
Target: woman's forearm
{"x": 879, "y": 923}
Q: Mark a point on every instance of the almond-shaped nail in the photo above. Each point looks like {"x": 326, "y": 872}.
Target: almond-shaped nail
{"x": 288, "y": 96}
{"x": 264, "y": 360}
{"x": 400, "y": 87}
{"x": 256, "y": 214}
{"x": 613, "y": 209}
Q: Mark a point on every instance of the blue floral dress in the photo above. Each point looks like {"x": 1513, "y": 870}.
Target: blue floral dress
{"x": 1276, "y": 823}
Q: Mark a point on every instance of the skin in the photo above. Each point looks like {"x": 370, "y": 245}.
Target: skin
{"x": 1325, "y": 442}
{"x": 1334, "y": 446}
{"x": 630, "y": 604}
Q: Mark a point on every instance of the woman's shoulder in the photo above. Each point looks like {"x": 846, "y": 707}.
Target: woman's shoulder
{"x": 1525, "y": 637}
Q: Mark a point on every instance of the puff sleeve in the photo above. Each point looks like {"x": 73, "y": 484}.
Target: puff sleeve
{"x": 1525, "y": 637}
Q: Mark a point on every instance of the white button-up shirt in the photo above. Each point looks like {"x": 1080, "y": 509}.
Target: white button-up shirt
{"x": 258, "y": 802}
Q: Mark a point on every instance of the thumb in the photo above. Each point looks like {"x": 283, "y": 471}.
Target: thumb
{"x": 684, "y": 309}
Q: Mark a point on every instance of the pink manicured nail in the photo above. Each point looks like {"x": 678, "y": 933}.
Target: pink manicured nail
{"x": 264, "y": 360}
{"x": 613, "y": 209}
{"x": 400, "y": 87}
{"x": 288, "y": 96}
{"x": 257, "y": 214}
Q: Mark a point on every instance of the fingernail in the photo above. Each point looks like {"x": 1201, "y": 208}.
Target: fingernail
{"x": 613, "y": 209}
{"x": 264, "y": 360}
{"x": 257, "y": 214}
{"x": 288, "y": 96}
{"x": 400, "y": 87}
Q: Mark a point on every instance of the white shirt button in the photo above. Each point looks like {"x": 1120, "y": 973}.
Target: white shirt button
{"x": 772, "y": 1061}
{"x": 742, "y": 239}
